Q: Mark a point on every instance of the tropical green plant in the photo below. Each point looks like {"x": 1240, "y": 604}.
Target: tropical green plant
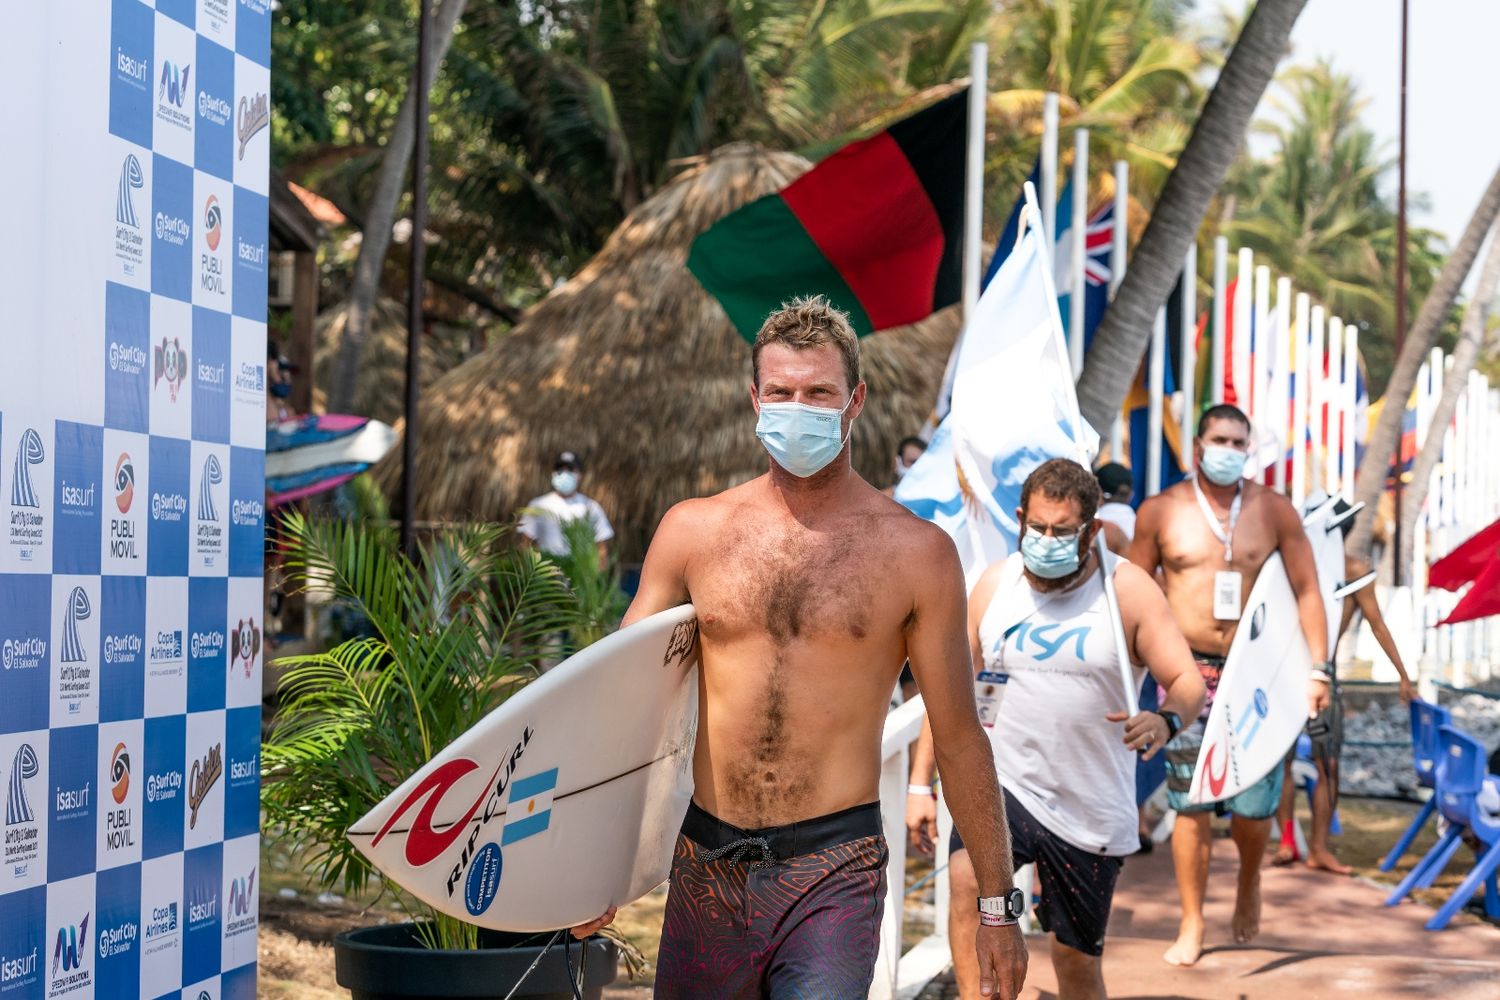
{"x": 595, "y": 584}
{"x": 456, "y": 631}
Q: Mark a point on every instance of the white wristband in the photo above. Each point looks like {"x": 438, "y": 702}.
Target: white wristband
{"x": 920, "y": 790}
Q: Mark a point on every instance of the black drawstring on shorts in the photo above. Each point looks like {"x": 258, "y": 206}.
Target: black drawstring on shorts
{"x": 736, "y": 850}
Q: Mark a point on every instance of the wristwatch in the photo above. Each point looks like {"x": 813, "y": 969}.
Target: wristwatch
{"x": 1002, "y": 911}
{"x": 1174, "y": 723}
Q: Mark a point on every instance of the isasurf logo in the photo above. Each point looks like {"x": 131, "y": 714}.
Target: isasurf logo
{"x": 29, "y": 452}
{"x": 246, "y": 645}
{"x": 23, "y": 766}
{"x": 171, "y": 365}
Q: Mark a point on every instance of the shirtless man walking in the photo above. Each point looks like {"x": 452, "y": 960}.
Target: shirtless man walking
{"x": 812, "y": 589}
{"x": 1209, "y": 536}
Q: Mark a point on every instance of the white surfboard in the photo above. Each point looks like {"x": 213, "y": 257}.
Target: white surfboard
{"x": 565, "y": 800}
{"x": 1261, "y": 702}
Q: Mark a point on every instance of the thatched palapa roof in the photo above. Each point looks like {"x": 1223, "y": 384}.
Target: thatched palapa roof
{"x": 380, "y": 390}
{"x": 634, "y": 366}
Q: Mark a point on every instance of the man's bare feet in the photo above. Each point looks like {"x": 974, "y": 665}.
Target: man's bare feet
{"x": 1246, "y": 922}
{"x": 1285, "y": 855}
{"x": 1324, "y": 861}
{"x": 1188, "y": 946}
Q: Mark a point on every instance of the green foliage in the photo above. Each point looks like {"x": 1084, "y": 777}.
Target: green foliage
{"x": 595, "y": 585}
{"x": 454, "y": 633}
{"x": 1313, "y": 210}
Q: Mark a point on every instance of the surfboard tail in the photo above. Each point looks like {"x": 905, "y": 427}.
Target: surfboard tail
{"x": 1354, "y": 586}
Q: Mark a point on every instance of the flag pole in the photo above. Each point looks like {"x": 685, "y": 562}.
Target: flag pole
{"x": 1220, "y": 320}
{"x": 1155, "y": 383}
{"x": 1187, "y": 419}
{"x": 1079, "y": 246}
{"x": 1333, "y": 470}
{"x": 1317, "y": 353}
{"x": 1280, "y": 356}
{"x": 1299, "y": 400}
{"x": 1111, "y": 599}
{"x": 1049, "y": 173}
{"x": 1118, "y": 256}
{"x": 1350, "y": 391}
{"x": 1261, "y": 359}
{"x": 974, "y": 174}
{"x": 1244, "y": 296}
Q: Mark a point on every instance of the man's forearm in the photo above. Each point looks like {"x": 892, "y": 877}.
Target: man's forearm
{"x": 1185, "y": 697}
{"x": 1314, "y": 624}
{"x": 973, "y": 795}
{"x": 923, "y": 763}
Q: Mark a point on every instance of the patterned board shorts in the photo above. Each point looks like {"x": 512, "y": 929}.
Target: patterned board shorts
{"x": 790, "y": 912}
{"x": 1259, "y": 801}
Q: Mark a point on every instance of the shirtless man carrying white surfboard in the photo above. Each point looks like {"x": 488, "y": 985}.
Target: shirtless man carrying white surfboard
{"x": 1209, "y": 536}
{"x": 812, "y": 589}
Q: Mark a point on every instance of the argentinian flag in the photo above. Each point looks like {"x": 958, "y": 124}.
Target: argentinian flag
{"x": 1014, "y": 407}
{"x": 530, "y": 810}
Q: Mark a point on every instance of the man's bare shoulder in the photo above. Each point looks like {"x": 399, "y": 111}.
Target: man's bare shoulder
{"x": 1161, "y": 505}
{"x": 1272, "y": 503}
{"x": 703, "y": 513}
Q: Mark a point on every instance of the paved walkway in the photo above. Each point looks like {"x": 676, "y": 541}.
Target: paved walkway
{"x": 1321, "y": 937}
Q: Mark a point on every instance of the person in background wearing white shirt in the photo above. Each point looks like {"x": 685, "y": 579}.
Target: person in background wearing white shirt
{"x": 1117, "y": 485}
{"x": 543, "y": 518}
{"x": 1049, "y": 691}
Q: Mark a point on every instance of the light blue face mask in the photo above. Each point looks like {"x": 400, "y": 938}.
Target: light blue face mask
{"x": 1223, "y": 466}
{"x": 802, "y": 439}
{"x": 565, "y": 481}
{"x": 1049, "y": 557}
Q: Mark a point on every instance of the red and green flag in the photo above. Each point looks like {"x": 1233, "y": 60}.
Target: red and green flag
{"x": 877, "y": 227}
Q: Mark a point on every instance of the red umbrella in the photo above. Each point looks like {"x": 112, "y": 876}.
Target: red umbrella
{"x": 1476, "y": 561}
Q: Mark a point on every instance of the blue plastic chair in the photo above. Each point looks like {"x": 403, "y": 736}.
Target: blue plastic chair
{"x": 1426, "y": 720}
{"x": 1459, "y": 784}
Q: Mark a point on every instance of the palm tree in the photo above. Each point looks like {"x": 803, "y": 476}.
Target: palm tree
{"x": 1216, "y": 139}
{"x": 1381, "y": 447}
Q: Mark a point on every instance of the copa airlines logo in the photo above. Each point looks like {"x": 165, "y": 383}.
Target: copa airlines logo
{"x": 118, "y": 940}
{"x": 163, "y": 786}
{"x": 29, "y": 452}
{"x": 171, "y": 365}
{"x": 124, "y": 483}
{"x": 254, "y": 115}
{"x": 136, "y": 72}
{"x": 246, "y": 645}
{"x": 213, "y": 218}
{"x": 126, "y": 358}
{"x": 119, "y": 774}
{"x": 206, "y": 644}
{"x": 72, "y": 943}
{"x": 161, "y": 923}
{"x": 173, "y": 229}
{"x": 246, "y": 512}
{"x": 250, "y": 377}
{"x": 213, "y": 475}
{"x": 166, "y": 646}
{"x": 23, "y": 767}
{"x": 132, "y": 179}
{"x": 78, "y": 609}
{"x": 25, "y": 653}
{"x": 213, "y": 108}
{"x": 122, "y": 648}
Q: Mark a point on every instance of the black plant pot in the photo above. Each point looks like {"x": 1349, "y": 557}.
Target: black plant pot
{"x": 389, "y": 962}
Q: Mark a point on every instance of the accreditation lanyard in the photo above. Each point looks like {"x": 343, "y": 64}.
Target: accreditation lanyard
{"x": 1213, "y": 522}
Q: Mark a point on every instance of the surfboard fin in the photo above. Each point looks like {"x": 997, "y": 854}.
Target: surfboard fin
{"x": 1353, "y": 586}
{"x": 1338, "y": 519}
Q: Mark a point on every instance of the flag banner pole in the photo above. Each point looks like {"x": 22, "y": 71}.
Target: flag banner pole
{"x": 1350, "y": 391}
{"x": 974, "y": 173}
{"x": 1111, "y": 599}
{"x": 1078, "y": 244}
{"x": 1316, "y": 417}
{"x": 1187, "y": 412}
{"x": 1220, "y": 321}
{"x": 1261, "y": 359}
{"x": 1244, "y": 298}
{"x": 1048, "y": 216}
{"x": 1118, "y": 257}
{"x": 1274, "y": 386}
{"x": 1333, "y": 470}
{"x": 1155, "y": 382}
{"x": 1299, "y": 400}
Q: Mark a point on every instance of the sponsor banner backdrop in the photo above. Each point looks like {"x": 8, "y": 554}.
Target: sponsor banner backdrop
{"x": 132, "y": 488}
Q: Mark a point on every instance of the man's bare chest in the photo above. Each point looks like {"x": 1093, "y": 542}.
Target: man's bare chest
{"x": 1190, "y": 542}
{"x": 798, "y": 586}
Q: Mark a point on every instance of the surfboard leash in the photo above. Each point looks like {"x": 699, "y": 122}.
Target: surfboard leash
{"x": 534, "y": 963}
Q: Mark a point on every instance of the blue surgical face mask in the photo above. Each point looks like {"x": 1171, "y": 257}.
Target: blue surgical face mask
{"x": 1049, "y": 557}
{"x": 1223, "y": 466}
{"x": 802, "y": 439}
{"x": 565, "y": 482}
{"x": 281, "y": 390}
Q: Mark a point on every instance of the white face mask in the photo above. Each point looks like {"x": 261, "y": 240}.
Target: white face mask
{"x": 565, "y": 481}
{"x": 802, "y": 439}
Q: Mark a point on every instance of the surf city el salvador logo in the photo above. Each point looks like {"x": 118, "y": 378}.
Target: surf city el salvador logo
{"x": 213, "y": 475}
{"x": 23, "y": 765}
{"x": 78, "y": 609}
{"x": 132, "y": 179}
{"x": 29, "y": 452}
{"x": 171, "y": 365}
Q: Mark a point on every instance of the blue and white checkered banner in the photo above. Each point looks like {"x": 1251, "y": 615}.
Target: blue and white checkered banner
{"x": 132, "y": 496}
